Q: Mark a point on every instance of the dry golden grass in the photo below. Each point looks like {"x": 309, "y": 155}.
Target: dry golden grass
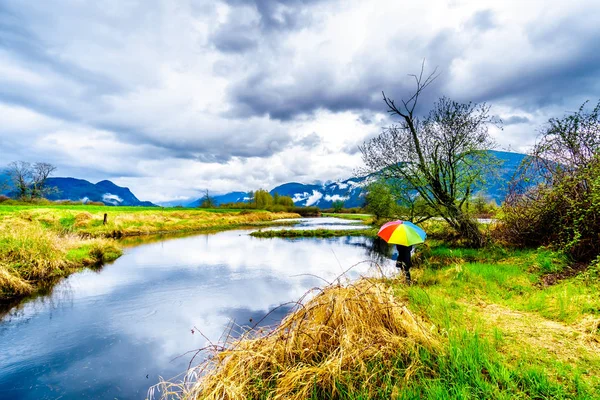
{"x": 343, "y": 331}
{"x": 526, "y": 331}
{"x": 31, "y": 255}
{"x": 137, "y": 222}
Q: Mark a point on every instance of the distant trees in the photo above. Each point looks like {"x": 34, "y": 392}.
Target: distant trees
{"x": 337, "y": 206}
{"x": 41, "y": 171}
{"x": 207, "y": 201}
{"x": 442, "y": 157}
{"x": 285, "y": 201}
{"x": 262, "y": 199}
{"x": 379, "y": 200}
{"x": 29, "y": 181}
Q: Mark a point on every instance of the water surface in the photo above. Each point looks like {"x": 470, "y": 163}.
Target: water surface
{"x": 112, "y": 333}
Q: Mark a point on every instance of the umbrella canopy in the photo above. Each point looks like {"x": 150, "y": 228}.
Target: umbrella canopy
{"x": 402, "y": 232}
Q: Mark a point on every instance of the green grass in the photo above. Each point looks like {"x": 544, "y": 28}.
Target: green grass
{"x": 539, "y": 342}
{"x": 507, "y": 336}
{"x": 367, "y": 218}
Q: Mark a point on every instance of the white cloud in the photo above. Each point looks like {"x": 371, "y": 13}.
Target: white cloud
{"x": 314, "y": 198}
{"x": 112, "y": 199}
{"x": 336, "y": 197}
{"x": 300, "y": 197}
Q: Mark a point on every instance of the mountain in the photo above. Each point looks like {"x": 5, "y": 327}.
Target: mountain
{"x": 497, "y": 186}
{"x": 351, "y": 193}
{"x": 104, "y": 191}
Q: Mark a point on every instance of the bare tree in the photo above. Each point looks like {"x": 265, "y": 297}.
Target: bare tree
{"x": 40, "y": 173}
{"x": 28, "y": 180}
{"x": 207, "y": 201}
{"x": 443, "y": 157}
{"x": 20, "y": 174}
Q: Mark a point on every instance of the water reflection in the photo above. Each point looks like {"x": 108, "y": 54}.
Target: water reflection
{"x": 113, "y": 333}
{"x": 319, "y": 223}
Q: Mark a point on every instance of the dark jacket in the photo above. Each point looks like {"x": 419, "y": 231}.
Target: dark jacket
{"x": 404, "y": 256}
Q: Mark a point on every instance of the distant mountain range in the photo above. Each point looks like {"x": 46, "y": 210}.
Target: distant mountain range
{"x": 82, "y": 190}
{"x": 350, "y": 191}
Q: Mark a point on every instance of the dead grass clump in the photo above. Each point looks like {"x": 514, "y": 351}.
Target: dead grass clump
{"x": 35, "y": 251}
{"x": 32, "y": 256}
{"x": 346, "y": 334}
{"x": 11, "y": 284}
{"x": 82, "y": 219}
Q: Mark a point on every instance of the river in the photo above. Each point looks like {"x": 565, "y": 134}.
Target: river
{"x": 113, "y": 333}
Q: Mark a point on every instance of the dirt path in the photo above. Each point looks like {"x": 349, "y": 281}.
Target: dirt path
{"x": 577, "y": 344}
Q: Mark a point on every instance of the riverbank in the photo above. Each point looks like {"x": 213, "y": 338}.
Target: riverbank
{"x": 501, "y": 323}
{"x": 41, "y": 244}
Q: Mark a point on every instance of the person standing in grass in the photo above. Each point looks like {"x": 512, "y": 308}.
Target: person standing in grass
{"x": 404, "y": 261}
{"x": 404, "y": 234}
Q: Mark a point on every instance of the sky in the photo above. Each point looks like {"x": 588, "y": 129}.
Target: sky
{"x": 173, "y": 97}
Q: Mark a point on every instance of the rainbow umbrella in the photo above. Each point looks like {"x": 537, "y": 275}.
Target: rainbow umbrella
{"x": 402, "y": 232}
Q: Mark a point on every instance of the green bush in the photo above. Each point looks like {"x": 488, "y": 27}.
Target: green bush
{"x": 307, "y": 211}
{"x": 563, "y": 210}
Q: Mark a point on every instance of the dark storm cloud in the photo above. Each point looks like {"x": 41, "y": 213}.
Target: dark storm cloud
{"x": 279, "y": 14}
{"x": 542, "y": 82}
{"x": 515, "y": 119}
{"x": 309, "y": 142}
{"x": 260, "y": 95}
{"x": 219, "y": 147}
{"x": 482, "y": 20}
{"x": 234, "y": 39}
{"x": 566, "y": 64}
{"x": 364, "y": 119}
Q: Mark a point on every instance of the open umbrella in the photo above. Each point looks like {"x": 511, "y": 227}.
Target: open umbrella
{"x": 402, "y": 232}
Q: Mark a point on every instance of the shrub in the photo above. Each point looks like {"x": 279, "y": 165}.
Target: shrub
{"x": 563, "y": 210}
{"x": 380, "y": 200}
{"x": 307, "y": 211}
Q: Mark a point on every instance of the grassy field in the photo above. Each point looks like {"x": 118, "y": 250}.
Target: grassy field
{"x": 500, "y": 324}
{"x": 366, "y": 218}
{"x": 41, "y": 244}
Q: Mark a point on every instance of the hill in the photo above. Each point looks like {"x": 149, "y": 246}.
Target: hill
{"x": 81, "y": 190}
